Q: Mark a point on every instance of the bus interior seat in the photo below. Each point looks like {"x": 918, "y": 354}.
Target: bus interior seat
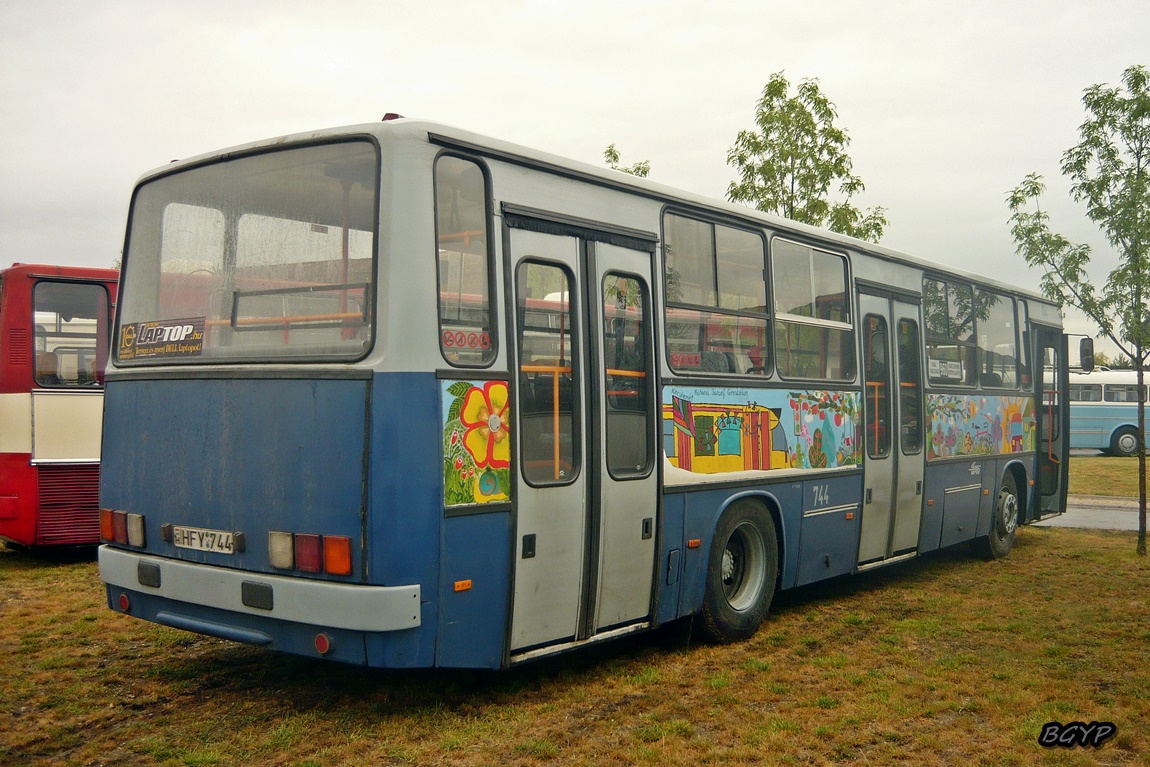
{"x": 715, "y": 362}
{"x": 47, "y": 368}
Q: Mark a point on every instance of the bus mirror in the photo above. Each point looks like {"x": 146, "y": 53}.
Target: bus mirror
{"x": 1086, "y": 354}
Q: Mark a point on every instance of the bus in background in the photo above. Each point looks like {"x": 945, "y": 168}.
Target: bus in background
{"x": 401, "y": 395}
{"x": 1104, "y": 411}
{"x": 55, "y": 326}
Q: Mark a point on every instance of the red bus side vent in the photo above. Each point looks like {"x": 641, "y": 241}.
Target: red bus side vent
{"x": 69, "y": 505}
{"x": 19, "y": 350}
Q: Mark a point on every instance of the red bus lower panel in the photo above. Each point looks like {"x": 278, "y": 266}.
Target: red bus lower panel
{"x": 69, "y": 505}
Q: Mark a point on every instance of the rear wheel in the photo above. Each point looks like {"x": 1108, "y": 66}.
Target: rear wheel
{"x": 1006, "y": 510}
{"x": 1124, "y": 442}
{"x": 741, "y": 573}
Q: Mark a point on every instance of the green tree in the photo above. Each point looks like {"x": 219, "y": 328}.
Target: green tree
{"x": 611, "y": 157}
{"x": 789, "y": 165}
{"x": 1110, "y": 172}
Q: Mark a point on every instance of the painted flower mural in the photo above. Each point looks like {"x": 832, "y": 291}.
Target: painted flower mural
{"x": 962, "y": 424}
{"x": 717, "y": 430}
{"x": 476, "y": 442}
{"x": 485, "y": 415}
{"x": 825, "y": 426}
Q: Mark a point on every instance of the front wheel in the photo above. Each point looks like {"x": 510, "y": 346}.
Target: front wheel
{"x": 1124, "y": 442}
{"x": 741, "y": 573}
{"x": 1006, "y": 510}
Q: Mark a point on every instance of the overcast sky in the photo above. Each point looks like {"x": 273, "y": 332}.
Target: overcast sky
{"x": 948, "y": 105}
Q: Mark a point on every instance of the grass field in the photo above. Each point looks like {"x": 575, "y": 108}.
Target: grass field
{"x": 941, "y": 661}
{"x": 1104, "y": 475}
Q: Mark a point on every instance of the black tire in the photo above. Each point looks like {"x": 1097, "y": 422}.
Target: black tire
{"x": 1000, "y": 541}
{"x": 742, "y": 569}
{"x": 1124, "y": 442}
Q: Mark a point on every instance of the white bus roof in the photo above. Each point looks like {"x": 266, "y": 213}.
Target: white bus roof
{"x": 422, "y": 130}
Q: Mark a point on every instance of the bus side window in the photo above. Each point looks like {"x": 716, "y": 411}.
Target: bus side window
{"x": 467, "y": 331}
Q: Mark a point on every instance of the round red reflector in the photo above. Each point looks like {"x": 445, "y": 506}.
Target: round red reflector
{"x": 125, "y": 603}
{"x": 322, "y": 644}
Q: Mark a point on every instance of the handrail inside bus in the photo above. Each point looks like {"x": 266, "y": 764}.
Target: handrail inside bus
{"x": 289, "y": 319}
{"x": 554, "y": 371}
{"x": 465, "y": 236}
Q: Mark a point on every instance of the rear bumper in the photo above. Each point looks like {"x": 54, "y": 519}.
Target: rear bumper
{"x": 292, "y": 599}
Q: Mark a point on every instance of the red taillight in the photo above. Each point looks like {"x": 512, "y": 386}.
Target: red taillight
{"x": 322, "y": 644}
{"x": 125, "y": 603}
{"x": 120, "y": 527}
{"x": 307, "y": 553}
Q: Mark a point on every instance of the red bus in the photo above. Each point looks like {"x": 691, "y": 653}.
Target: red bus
{"x": 54, "y": 323}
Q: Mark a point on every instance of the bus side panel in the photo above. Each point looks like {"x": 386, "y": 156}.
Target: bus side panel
{"x": 1088, "y": 427}
{"x": 18, "y": 490}
{"x": 703, "y": 509}
{"x": 930, "y": 531}
{"x": 473, "y": 612}
{"x": 405, "y": 500}
{"x": 669, "y": 572}
{"x": 954, "y": 497}
{"x": 18, "y": 493}
{"x": 831, "y": 524}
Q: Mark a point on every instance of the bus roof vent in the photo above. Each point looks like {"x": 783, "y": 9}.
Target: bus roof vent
{"x": 392, "y": 116}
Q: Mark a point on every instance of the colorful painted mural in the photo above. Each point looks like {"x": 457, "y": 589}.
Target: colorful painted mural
{"x": 717, "y": 431}
{"x": 476, "y": 442}
{"x": 969, "y": 424}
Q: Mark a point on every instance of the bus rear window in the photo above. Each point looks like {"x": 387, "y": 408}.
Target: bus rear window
{"x": 71, "y": 332}
{"x": 268, "y": 257}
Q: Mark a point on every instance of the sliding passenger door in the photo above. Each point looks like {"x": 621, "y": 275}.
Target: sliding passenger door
{"x": 586, "y": 497}
{"x": 892, "y": 427}
{"x": 623, "y": 429}
{"x": 1053, "y": 422}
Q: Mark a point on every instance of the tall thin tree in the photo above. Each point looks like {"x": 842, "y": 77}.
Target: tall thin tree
{"x": 1110, "y": 171}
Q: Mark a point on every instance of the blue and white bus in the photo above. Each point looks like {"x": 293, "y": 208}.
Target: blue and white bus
{"x": 405, "y": 396}
{"x": 1104, "y": 411}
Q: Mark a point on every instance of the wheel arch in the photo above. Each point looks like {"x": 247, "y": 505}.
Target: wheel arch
{"x": 1120, "y": 428}
{"x": 774, "y": 508}
{"x": 1017, "y": 469}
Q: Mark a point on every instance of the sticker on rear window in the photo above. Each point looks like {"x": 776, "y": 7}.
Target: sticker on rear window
{"x": 162, "y": 338}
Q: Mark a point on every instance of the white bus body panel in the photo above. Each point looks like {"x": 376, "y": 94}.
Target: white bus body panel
{"x": 66, "y": 426}
{"x": 16, "y": 423}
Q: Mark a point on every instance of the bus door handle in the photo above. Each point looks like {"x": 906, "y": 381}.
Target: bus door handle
{"x": 529, "y": 546}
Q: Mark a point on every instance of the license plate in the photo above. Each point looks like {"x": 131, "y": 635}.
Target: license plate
{"x": 219, "y": 541}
